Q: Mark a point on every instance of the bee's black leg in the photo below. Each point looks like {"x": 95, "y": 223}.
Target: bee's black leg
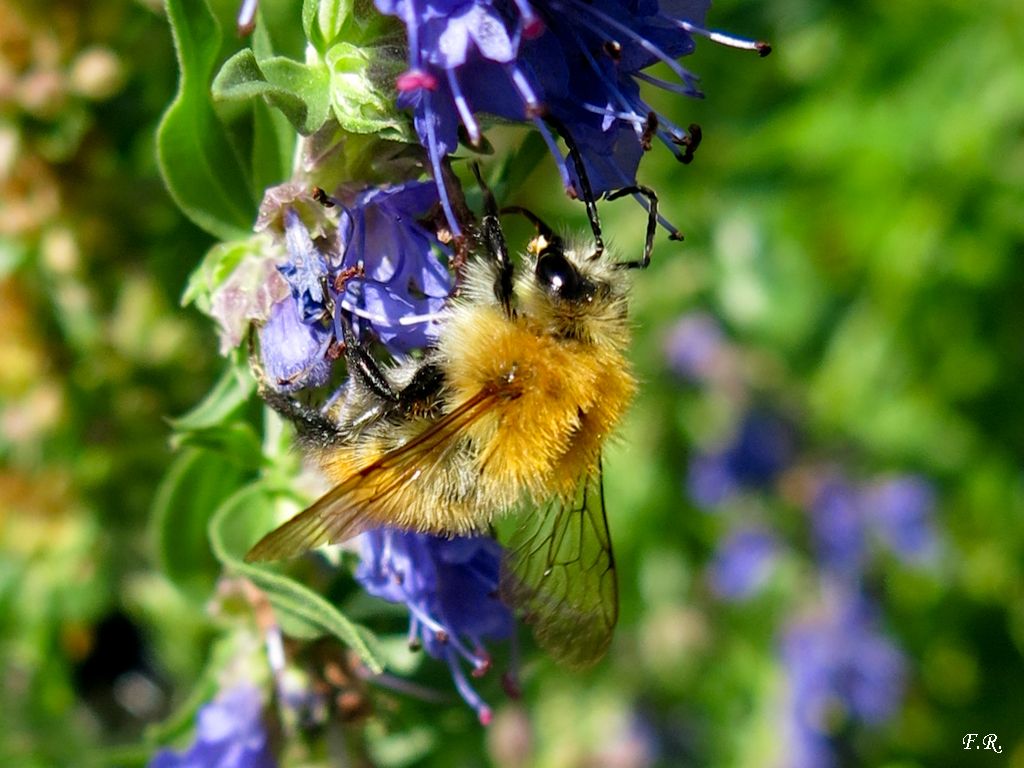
{"x": 312, "y": 426}
{"x": 423, "y": 388}
{"x": 415, "y": 396}
{"x": 364, "y": 368}
{"x": 652, "y": 222}
{"x": 494, "y": 240}
{"x": 586, "y": 190}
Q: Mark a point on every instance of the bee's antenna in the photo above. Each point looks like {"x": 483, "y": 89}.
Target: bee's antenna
{"x": 542, "y": 228}
{"x": 490, "y": 204}
{"x": 584, "y": 181}
{"x": 652, "y": 222}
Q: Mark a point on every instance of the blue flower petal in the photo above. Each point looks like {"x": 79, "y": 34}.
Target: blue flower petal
{"x": 450, "y": 587}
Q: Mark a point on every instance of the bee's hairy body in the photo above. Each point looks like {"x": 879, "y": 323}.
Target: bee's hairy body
{"x": 556, "y": 376}
{"x": 508, "y": 411}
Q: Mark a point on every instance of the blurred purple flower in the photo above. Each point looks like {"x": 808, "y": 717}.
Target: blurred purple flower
{"x": 694, "y": 346}
{"x": 761, "y": 449}
{"x": 837, "y": 521}
{"x": 575, "y": 61}
{"x": 450, "y": 587}
{"x": 840, "y": 670}
{"x": 397, "y": 283}
{"x": 902, "y": 510}
{"x": 229, "y": 734}
{"x": 709, "y": 482}
{"x": 743, "y": 563}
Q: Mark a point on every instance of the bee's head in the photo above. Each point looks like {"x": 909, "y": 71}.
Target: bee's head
{"x": 557, "y": 276}
{"x": 572, "y": 295}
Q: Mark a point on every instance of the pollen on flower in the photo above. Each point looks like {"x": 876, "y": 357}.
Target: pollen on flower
{"x": 483, "y": 663}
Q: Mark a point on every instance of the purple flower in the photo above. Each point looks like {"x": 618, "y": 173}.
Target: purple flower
{"x": 762, "y": 448}
{"x": 709, "y": 482}
{"x": 244, "y": 297}
{"x": 450, "y": 587}
{"x": 901, "y": 510}
{"x": 306, "y": 269}
{"x": 695, "y": 346}
{"x": 594, "y": 90}
{"x": 743, "y": 563}
{"x": 840, "y": 670}
{"x": 395, "y": 283}
{"x": 229, "y": 734}
{"x": 293, "y": 350}
{"x": 381, "y": 268}
{"x": 898, "y": 510}
{"x": 459, "y": 53}
{"x": 837, "y": 520}
{"x": 578, "y": 62}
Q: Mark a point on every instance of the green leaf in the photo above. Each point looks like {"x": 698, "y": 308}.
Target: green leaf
{"x": 237, "y": 441}
{"x": 273, "y": 146}
{"x": 197, "y": 161}
{"x": 359, "y": 104}
{"x": 323, "y": 21}
{"x": 235, "y": 527}
{"x": 273, "y": 137}
{"x": 518, "y": 165}
{"x": 278, "y": 23}
{"x": 228, "y": 395}
{"x": 300, "y": 91}
{"x": 196, "y": 484}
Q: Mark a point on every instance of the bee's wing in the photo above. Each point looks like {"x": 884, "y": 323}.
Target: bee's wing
{"x": 368, "y": 498}
{"x": 559, "y": 574}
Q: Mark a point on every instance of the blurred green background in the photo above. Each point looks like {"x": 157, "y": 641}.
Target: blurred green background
{"x": 854, "y": 224}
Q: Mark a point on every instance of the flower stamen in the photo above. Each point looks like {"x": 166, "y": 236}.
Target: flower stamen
{"x": 468, "y": 121}
{"x": 763, "y": 48}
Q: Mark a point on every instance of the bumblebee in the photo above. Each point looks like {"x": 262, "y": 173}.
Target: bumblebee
{"x": 506, "y": 413}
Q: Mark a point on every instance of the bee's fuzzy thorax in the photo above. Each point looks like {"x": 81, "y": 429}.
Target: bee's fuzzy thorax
{"x": 560, "y": 365}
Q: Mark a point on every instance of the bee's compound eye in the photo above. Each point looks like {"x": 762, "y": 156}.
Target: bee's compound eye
{"x": 557, "y": 275}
